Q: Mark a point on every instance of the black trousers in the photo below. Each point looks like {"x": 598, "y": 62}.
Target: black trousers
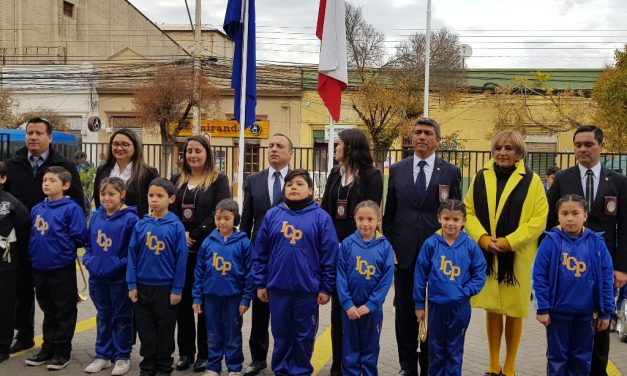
{"x": 600, "y": 353}
{"x": 156, "y": 321}
{"x": 25, "y": 304}
{"x": 8, "y": 293}
{"x": 259, "y": 337}
{"x": 187, "y": 334}
{"x": 407, "y": 325}
{"x": 56, "y": 294}
{"x": 336, "y": 334}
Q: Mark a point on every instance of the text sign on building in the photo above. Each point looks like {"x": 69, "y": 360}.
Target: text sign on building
{"x": 336, "y": 131}
{"x": 226, "y": 129}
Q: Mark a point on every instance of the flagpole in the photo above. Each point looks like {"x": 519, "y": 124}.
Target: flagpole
{"x": 330, "y": 144}
{"x": 425, "y": 110}
{"x": 242, "y": 112}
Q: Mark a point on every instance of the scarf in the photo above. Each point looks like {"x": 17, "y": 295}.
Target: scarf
{"x": 297, "y": 205}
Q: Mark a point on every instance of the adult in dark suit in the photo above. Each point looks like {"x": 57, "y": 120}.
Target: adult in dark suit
{"x": 606, "y": 193}
{"x": 416, "y": 186}
{"x": 24, "y": 179}
{"x": 353, "y": 181}
{"x": 262, "y": 191}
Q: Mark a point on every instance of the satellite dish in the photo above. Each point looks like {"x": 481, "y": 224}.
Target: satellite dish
{"x": 466, "y": 51}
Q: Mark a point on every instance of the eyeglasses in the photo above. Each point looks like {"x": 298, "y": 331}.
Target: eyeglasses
{"x": 121, "y": 145}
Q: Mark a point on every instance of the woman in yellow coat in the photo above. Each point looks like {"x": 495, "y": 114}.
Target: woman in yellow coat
{"x": 507, "y": 210}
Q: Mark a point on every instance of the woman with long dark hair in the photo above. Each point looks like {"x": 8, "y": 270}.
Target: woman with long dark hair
{"x": 354, "y": 180}
{"x": 125, "y": 160}
{"x": 200, "y": 186}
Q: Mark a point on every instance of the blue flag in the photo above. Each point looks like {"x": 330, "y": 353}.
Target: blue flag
{"x": 234, "y": 28}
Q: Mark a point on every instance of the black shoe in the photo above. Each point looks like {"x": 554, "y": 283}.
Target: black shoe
{"x": 200, "y": 365}
{"x": 38, "y": 359}
{"x": 3, "y": 357}
{"x": 164, "y": 372}
{"x": 20, "y": 345}
{"x": 58, "y": 363}
{"x": 254, "y": 368}
{"x": 144, "y": 372}
{"x": 492, "y": 374}
{"x": 405, "y": 372}
{"x": 184, "y": 362}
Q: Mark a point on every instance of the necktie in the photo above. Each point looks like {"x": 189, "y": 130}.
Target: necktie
{"x": 590, "y": 188}
{"x": 35, "y": 163}
{"x": 276, "y": 188}
{"x": 421, "y": 179}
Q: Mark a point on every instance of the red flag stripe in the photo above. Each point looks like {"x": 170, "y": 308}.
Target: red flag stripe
{"x": 321, "y": 11}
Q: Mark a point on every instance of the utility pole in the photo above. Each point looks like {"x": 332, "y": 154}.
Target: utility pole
{"x": 197, "y": 56}
{"x": 427, "y": 60}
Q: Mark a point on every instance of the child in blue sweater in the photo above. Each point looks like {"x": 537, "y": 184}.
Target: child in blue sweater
{"x": 59, "y": 229}
{"x": 157, "y": 256}
{"x": 294, "y": 263}
{"x": 106, "y": 258}
{"x": 454, "y": 268}
{"x": 573, "y": 279}
{"x": 365, "y": 268}
{"x": 223, "y": 281}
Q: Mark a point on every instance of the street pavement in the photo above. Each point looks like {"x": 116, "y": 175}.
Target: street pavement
{"x": 531, "y": 355}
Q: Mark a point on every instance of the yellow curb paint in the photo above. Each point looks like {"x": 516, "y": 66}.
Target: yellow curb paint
{"x": 612, "y": 370}
{"x": 81, "y": 326}
{"x": 322, "y": 351}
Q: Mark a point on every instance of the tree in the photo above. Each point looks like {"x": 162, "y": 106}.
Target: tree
{"x": 168, "y": 97}
{"x": 530, "y": 105}
{"x": 6, "y": 104}
{"x": 610, "y": 97}
{"x": 388, "y": 96}
{"x": 59, "y": 122}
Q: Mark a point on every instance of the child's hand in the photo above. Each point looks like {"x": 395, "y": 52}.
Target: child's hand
{"x": 242, "y": 310}
{"x": 132, "y": 294}
{"x": 602, "y": 324}
{"x": 323, "y": 298}
{"x": 196, "y": 308}
{"x": 175, "y": 299}
{"x": 352, "y": 313}
{"x": 363, "y": 311}
{"x": 544, "y": 319}
{"x": 420, "y": 314}
{"x": 262, "y": 294}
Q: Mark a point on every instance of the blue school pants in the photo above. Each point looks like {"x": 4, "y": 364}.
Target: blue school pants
{"x": 114, "y": 336}
{"x": 360, "y": 344}
{"x": 224, "y": 333}
{"x": 447, "y": 325}
{"x": 569, "y": 344}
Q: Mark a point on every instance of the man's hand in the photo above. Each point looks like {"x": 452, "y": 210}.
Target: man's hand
{"x": 242, "y": 309}
{"x": 197, "y": 309}
{"x": 602, "y": 324}
{"x": 175, "y": 299}
{"x": 132, "y": 294}
{"x": 323, "y": 298}
{"x": 352, "y": 313}
{"x": 544, "y": 319}
{"x": 262, "y": 294}
{"x": 420, "y": 314}
{"x": 190, "y": 241}
{"x": 620, "y": 279}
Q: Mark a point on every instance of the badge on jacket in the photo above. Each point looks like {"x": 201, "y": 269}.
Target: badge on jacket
{"x": 443, "y": 192}
{"x": 611, "y": 205}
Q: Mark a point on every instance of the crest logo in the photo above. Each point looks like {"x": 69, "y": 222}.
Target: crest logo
{"x": 574, "y": 265}
{"x": 103, "y": 241}
{"x": 154, "y": 244}
{"x": 364, "y": 269}
{"x": 447, "y": 267}
{"x": 220, "y": 265}
{"x": 41, "y": 225}
{"x": 291, "y": 233}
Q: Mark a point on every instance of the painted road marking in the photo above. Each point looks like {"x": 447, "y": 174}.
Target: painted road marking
{"x": 81, "y": 326}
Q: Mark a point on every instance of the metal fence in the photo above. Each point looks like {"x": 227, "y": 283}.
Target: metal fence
{"x": 167, "y": 159}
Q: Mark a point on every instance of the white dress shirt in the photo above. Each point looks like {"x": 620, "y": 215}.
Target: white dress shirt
{"x": 596, "y": 170}
{"x": 124, "y": 175}
{"x": 271, "y": 171}
{"x": 428, "y": 167}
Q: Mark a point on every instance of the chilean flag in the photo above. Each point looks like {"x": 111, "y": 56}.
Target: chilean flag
{"x": 332, "y": 71}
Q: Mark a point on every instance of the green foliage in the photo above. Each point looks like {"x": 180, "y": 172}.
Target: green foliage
{"x": 87, "y": 181}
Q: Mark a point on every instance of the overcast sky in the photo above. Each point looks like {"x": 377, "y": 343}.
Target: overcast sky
{"x": 502, "y": 33}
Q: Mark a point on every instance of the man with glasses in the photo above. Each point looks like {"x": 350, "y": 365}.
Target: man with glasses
{"x": 416, "y": 187}
{"x": 24, "y": 181}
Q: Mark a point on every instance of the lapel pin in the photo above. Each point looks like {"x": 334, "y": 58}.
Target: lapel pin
{"x": 606, "y": 178}
{"x": 438, "y": 169}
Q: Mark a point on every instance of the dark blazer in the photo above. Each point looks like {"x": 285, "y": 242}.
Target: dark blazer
{"x": 369, "y": 187}
{"x": 137, "y": 198}
{"x": 26, "y": 187}
{"x": 206, "y": 202}
{"x": 256, "y": 202}
{"x": 408, "y": 220}
{"x": 615, "y": 227}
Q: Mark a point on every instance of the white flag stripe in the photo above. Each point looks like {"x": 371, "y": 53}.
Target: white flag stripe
{"x": 333, "y": 47}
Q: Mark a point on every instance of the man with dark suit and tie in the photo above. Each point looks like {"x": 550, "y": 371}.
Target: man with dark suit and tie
{"x": 606, "y": 194}
{"x": 262, "y": 191}
{"x": 416, "y": 186}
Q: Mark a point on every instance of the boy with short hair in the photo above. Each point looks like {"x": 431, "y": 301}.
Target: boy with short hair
{"x": 157, "y": 256}
{"x": 58, "y": 230}
{"x": 223, "y": 281}
{"x": 14, "y": 226}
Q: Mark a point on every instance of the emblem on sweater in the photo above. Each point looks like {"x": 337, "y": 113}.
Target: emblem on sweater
{"x": 5, "y": 208}
{"x": 291, "y": 233}
{"x": 41, "y": 225}
{"x": 450, "y": 270}
{"x": 573, "y": 264}
{"x": 103, "y": 242}
{"x": 364, "y": 269}
{"x": 220, "y": 265}
{"x": 154, "y": 244}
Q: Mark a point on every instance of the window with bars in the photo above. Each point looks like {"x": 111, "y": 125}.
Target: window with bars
{"x": 251, "y": 159}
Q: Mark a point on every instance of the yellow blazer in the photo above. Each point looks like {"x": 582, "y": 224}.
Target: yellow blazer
{"x": 511, "y": 301}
